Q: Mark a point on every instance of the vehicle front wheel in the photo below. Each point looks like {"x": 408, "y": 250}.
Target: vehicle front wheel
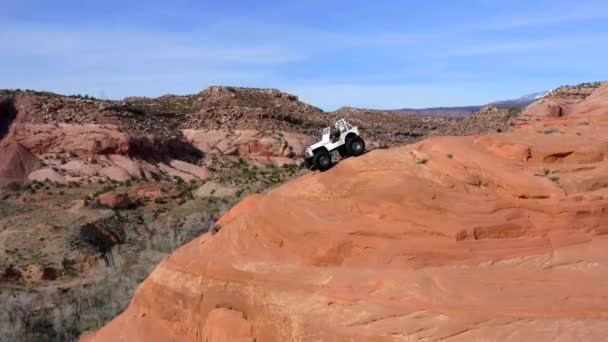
{"x": 355, "y": 146}
{"x": 322, "y": 160}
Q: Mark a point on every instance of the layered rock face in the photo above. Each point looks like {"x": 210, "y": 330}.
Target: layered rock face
{"x": 265, "y": 147}
{"x": 497, "y": 237}
{"x": 74, "y": 139}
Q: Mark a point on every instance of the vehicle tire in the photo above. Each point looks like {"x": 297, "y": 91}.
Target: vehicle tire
{"x": 355, "y": 146}
{"x": 321, "y": 160}
{"x": 342, "y": 151}
{"x": 306, "y": 164}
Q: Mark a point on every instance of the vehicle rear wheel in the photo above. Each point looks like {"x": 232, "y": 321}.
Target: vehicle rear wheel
{"x": 355, "y": 146}
{"x": 322, "y": 160}
{"x": 307, "y": 163}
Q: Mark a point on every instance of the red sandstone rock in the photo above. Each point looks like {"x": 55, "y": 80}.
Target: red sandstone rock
{"x": 116, "y": 173}
{"x": 249, "y": 143}
{"x": 194, "y": 170}
{"x": 478, "y": 242}
{"x": 16, "y": 163}
{"x": 116, "y": 200}
{"x": 227, "y": 325}
{"x": 47, "y": 174}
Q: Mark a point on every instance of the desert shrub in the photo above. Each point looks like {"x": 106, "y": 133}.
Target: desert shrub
{"x": 550, "y": 130}
{"x": 34, "y": 315}
{"x": 422, "y": 160}
{"x": 49, "y": 314}
{"x": 543, "y": 173}
{"x": 105, "y": 189}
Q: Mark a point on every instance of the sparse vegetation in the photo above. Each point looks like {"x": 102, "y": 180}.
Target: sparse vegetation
{"x": 550, "y": 130}
{"x": 422, "y": 160}
{"x": 544, "y": 173}
{"x": 30, "y": 314}
{"x": 105, "y": 189}
{"x": 34, "y": 314}
{"x": 249, "y": 178}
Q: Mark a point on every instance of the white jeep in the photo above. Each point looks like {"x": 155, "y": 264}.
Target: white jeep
{"x": 345, "y": 139}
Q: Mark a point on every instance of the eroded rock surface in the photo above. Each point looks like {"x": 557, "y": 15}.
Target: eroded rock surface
{"x": 499, "y": 237}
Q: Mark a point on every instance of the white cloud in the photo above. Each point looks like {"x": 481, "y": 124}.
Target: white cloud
{"x": 114, "y": 46}
{"x": 545, "y": 43}
{"x": 531, "y": 18}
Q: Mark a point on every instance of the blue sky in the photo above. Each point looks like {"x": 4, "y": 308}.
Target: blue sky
{"x": 374, "y": 54}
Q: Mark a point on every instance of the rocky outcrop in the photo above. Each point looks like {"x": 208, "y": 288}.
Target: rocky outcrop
{"x": 452, "y": 238}
{"x": 71, "y": 134}
{"x": 260, "y": 145}
{"x": 89, "y": 140}
{"x": 117, "y": 200}
{"x": 235, "y": 108}
{"x": 16, "y": 163}
{"x": 548, "y": 108}
{"x": 559, "y": 102}
{"x": 489, "y": 119}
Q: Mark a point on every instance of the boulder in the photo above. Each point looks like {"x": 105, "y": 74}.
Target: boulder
{"x": 116, "y": 200}
{"x": 47, "y": 174}
{"x": 214, "y": 189}
{"x": 16, "y": 163}
{"x": 197, "y": 171}
{"x": 116, "y": 173}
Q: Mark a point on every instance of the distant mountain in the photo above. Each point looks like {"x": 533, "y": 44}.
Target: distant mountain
{"x": 520, "y": 102}
{"x": 440, "y": 111}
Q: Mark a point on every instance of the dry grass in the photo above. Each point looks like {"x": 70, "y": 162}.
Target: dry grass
{"x": 65, "y": 312}
{"x": 53, "y": 314}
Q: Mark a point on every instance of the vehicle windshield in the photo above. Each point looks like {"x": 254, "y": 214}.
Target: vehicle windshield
{"x": 344, "y": 125}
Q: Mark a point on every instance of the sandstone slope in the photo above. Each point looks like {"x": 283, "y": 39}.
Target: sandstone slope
{"x": 497, "y": 237}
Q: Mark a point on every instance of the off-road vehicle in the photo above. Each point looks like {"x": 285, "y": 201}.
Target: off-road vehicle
{"x": 345, "y": 139}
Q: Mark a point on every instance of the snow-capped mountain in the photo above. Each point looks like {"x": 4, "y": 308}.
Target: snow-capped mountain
{"x": 521, "y": 101}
